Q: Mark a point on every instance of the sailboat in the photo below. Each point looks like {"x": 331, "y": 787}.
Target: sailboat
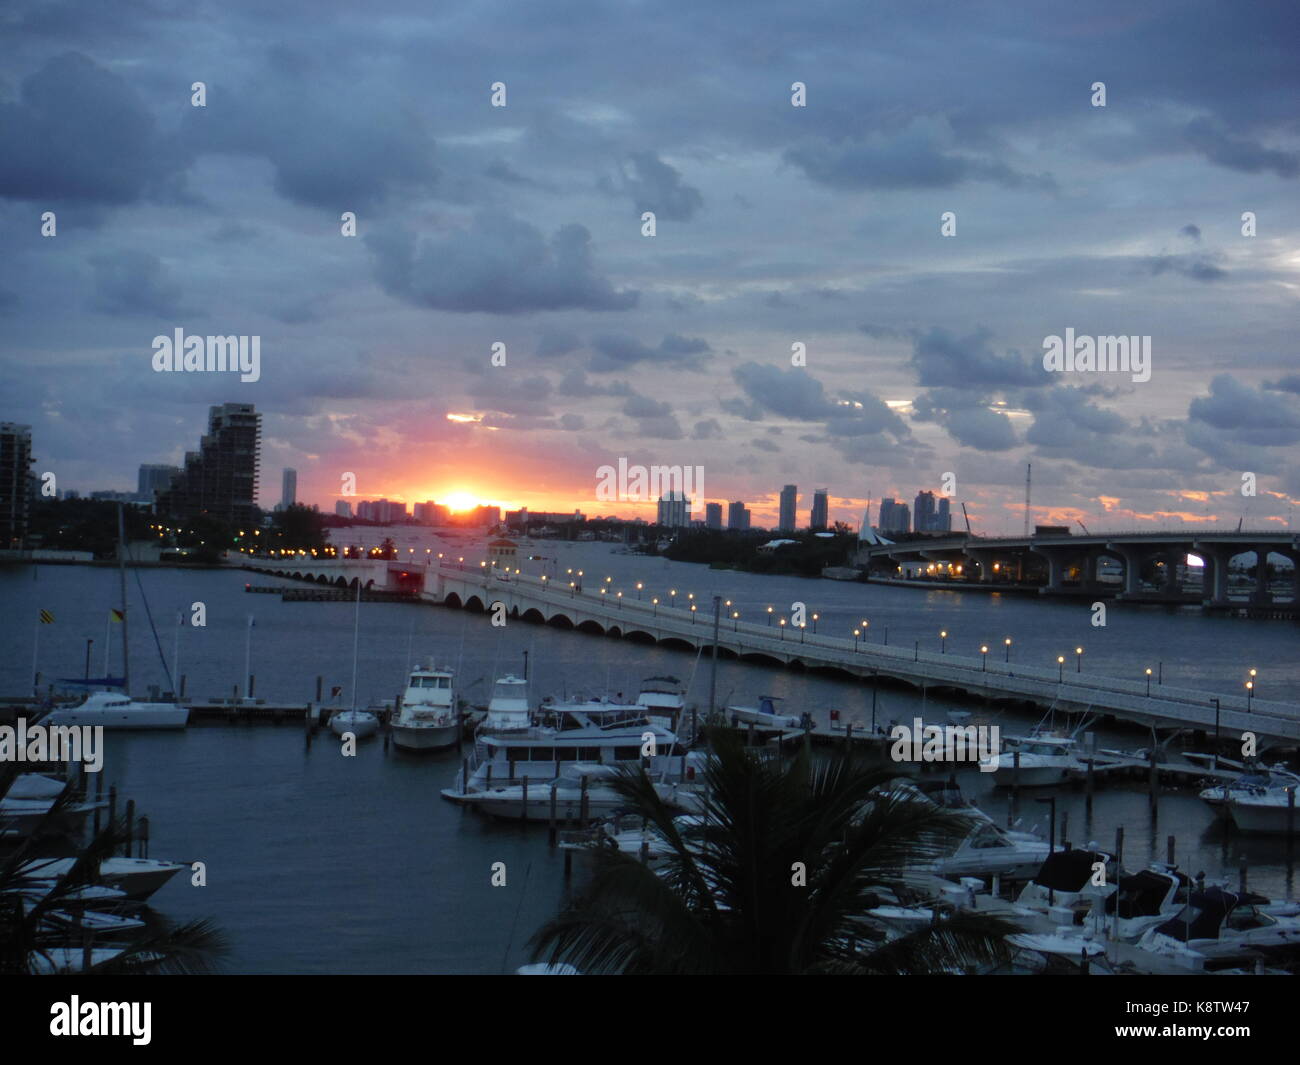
{"x": 361, "y": 723}
{"x": 117, "y": 710}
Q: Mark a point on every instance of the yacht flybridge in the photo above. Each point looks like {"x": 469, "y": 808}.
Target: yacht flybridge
{"x": 429, "y": 719}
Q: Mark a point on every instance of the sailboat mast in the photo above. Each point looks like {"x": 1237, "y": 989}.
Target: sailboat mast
{"x": 356, "y": 638}
{"x": 121, "y": 574}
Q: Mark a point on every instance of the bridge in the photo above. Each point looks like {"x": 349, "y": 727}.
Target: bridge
{"x": 602, "y": 611}
{"x": 1149, "y": 562}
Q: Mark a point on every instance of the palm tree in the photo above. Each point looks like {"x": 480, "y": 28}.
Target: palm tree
{"x": 778, "y": 881}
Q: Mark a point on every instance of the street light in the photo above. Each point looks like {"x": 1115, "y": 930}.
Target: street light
{"x": 865, "y": 628}
{"x": 984, "y": 658}
{"x": 1250, "y": 694}
{"x": 655, "y": 601}
{"x": 736, "y": 618}
{"x": 1078, "y": 659}
{"x": 782, "y": 626}
{"x": 1148, "y": 682}
{"x": 815, "y": 617}
{"x": 89, "y": 641}
{"x": 692, "y": 613}
{"x": 769, "y": 617}
{"x": 673, "y": 594}
{"x": 943, "y": 641}
{"x": 802, "y": 626}
{"x": 1007, "y": 641}
{"x": 639, "y": 586}
{"x": 1060, "y": 669}
{"x": 856, "y": 634}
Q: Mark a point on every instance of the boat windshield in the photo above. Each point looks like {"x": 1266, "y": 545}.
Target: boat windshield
{"x": 430, "y": 682}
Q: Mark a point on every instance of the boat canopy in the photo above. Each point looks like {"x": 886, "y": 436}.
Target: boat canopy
{"x": 1202, "y": 917}
{"x": 1068, "y": 870}
{"x": 1140, "y": 895}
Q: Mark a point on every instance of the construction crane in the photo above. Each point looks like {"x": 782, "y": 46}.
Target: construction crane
{"x": 1084, "y": 528}
{"x": 967, "y": 519}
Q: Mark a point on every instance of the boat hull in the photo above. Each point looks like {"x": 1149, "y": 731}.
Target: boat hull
{"x": 421, "y": 738}
{"x": 1261, "y": 820}
{"x": 140, "y": 716}
{"x": 360, "y": 727}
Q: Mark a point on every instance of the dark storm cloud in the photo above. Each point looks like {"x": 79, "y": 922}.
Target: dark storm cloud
{"x": 80, "y": 133}
{"x": 654, "y": 185}
{"x": 499, "y": 265}
{"x": 617, "y": 351}
{"x": 133, "y": 283}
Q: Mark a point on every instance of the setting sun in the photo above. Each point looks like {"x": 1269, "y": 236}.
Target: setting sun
{"x": 460, "y": 501}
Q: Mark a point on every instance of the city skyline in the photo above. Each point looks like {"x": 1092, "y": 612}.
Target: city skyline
{"x": 852, "y": 284}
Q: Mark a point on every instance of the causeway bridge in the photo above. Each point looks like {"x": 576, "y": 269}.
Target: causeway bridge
{"x": 602, "y": 611}
{"x": 1149, "y": 562}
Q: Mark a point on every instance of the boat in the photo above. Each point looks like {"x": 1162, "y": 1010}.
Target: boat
{"x": 1044, "y": 761}
{"x": 990, "y": 851}
{"x": 137, "y": 878}
{"x": 563, "y": 734}
{"x": 507, "y": 710}
{"x": 1143, "y": 900}
{"x": 1217, "y": 925}
{"x": 1266, "y": 811}
{"x": 581, "y": 793}
{"x": 1063, "y": 887}
{"x": 765, "y": 714}
{"x": 359, "y": 723}
{"x": 663, "y": 699}
{"x": 118, "y": 711}
{"x": 1256, "y": 782}
{"x": 22, "y": 817}
{"x": 428, "y": 719}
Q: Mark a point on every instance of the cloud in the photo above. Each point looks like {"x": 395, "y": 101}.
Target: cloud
{"x": 132, "y": 283}
{"x": 1245, "y": 415}
{"x": 1198, "y": 269}
{"x": 81, "y": 134}
{"x": 942, "y": 359}
{"x": 617, "y": 351}
{"x": 499, "y": 265}
{"x": 654, "y": 185}
{"x": 1237, "y": 153}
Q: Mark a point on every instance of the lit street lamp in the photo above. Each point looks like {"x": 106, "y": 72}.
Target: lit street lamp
{"x": 943, "y": 641}
{"x": 984, "y": 658}
{"x": 815, "y": 617}
{"x": 1060, "y": 669}
{"x": 736, "y": 618}
{"x": 856, "y": 634}
{"x": 782, "y": 626}
{"x": 769, "y": 617}
{"x": 1250, "y": 694}
{"x": 1007, "y": 642}
{"x": 1078, "y": 659}
{"x": 1148, "y": 682}
{"x": 655, "y": 601}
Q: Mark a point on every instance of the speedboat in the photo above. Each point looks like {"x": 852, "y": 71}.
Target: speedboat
{"x": 1063, "y": 888}
{"x": 428, "y": 720}
{"x": 22, "y": 817}
{"x": 1218, "y": 925}
{"x": 765, "y": 714}
{"x": 138, "y": 878}
{"x": 1143, "y": 900}
{"x": 361, "y": 723}
{"x": 1266, "y": 811}
{"x": 1043, "y": 762}
{"x": 118, "y": 711}
{"x": 991, "y": 851}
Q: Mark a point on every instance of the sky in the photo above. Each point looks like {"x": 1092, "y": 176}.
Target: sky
{"x": 775, "y": 225}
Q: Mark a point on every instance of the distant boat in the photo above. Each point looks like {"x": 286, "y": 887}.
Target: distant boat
{"x": 428, "y": 720}
{"x": 763, "y": 714}
{"x": 117, "y": 711}
{"x": 138, "y": 878}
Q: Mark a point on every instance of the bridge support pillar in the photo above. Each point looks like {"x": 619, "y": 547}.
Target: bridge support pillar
{"x": 1214, "y": 584}
{"x": 1173, "y": 558}
{"x": 1133, "y": 558}
{"x": 1260, "y": 593}
{"x": 982, "y": 559}
{"x": 1057, "y": 558}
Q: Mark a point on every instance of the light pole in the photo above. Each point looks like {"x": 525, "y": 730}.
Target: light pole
{"x": 866, "y": 629}
{"x": 655, "y": 601}
{"x": 672, "y": 593}
{"x": 1007, "y": 643}
{"x": 769, "y": 617}
{"x": 984, "y": 658}
{"x": 856, "y": 633}
{"x": 782, "y": 627}
{"x": 639, "y": 586}
{"x": 815, "y": 617}
{"x": 1253, "y": 672}
{"x": 89, "y": 641}
{"x": 1250, "y": 694}
{"x": 1060, "y": 669}
{"x": 1078, "y": 659}
{"x": 802, "y": 626}
{"x": 943, "y": 641}
{"x": 736, "y": 618}
{"x": 1148, "y": 682}
{"x": 692, "y": 613}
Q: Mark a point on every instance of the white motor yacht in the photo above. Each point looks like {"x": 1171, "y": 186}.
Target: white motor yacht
{"x": 1043, "y": 762}
{"x": 508, "y": 708}
{"x": 429, "y": 719}
{"x": 138, "y": 878}
{"x": 117, "y": 711}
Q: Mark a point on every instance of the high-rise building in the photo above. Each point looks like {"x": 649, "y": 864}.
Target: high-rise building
{"x": 430, "y": 513}
{"x": 15, "y": 483}
{"x": 820, "y": 511}
{"x": 154, "y": 480}
{"x": 923, "y": 512}
{"x": 789, "y": 497}
{"x": 713, "y": 515}
{"x": 289, "y": 488}
{"x": 220, "y": 479}
{"x": 894, "y": 517}
{"x": 738, "y": 516}
{"x": 674, "y": 510}
{"x": 943, "y": 516}
{"x": 343, "y": 508}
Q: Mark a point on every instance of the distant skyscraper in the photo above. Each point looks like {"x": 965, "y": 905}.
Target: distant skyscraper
{"x": 343, "y": 508}
{"x": 738, "y": 517}
{"x": 820, "y": 511}
{"x": 15, "y": 483}
{"x": 713, "y": 515}
{"x": 894, "y": 517}
{"x": 289, "y": 490}
{"x": 789, "y": 497}
{"x": 943, "y": 517}
{"x": 923, "y": 512}
{"x": 220, "y": 479}
{"x": 674, "y": 510}
{"x": 154, "y": 479}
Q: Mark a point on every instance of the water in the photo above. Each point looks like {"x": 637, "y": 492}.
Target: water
{"x": 320, "y": 863}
